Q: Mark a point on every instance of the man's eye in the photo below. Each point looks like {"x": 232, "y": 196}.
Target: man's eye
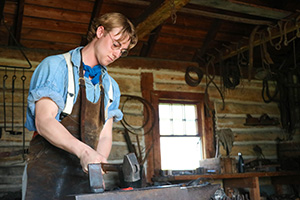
{"x": 116, "y": 44}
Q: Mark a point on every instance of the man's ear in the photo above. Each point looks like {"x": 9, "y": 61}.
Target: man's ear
{"x": 100, "y": 31}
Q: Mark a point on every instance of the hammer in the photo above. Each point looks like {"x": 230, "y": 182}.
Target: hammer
{"x": 130, "y": 169}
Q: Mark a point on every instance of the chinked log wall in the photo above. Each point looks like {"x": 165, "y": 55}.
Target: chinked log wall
{"x": 245, "y": 99}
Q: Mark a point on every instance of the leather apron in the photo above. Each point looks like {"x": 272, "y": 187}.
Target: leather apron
{"x": 54, "y": 173}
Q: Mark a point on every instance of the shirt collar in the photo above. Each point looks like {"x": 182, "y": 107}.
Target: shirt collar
{"x": 76, "y": 59}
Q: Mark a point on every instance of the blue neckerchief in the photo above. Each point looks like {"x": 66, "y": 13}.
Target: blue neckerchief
{"x": 94, "y": 72}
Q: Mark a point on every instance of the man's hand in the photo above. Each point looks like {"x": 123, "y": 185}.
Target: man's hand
{"x": 89, "y": 156}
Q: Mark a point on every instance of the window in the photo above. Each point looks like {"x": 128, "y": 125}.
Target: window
{"x": 199, "y": 136}
{"x": 178, "y": 127}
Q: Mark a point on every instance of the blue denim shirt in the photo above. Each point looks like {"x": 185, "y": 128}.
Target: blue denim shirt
{"x": 50, "y": 79}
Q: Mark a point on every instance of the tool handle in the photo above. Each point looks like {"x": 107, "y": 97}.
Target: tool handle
{"x": 111, "y": 167}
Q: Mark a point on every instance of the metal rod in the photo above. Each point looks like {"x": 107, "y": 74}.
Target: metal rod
{"x": 19, "y": 47}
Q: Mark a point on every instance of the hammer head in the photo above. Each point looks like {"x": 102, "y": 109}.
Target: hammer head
{"x": 96, "y": 178}
{"x": 131, "y": 168}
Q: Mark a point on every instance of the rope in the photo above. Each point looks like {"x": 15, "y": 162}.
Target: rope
{"x": 278, "y": 44}
{"x": 190, "y": 80}
{"x": 231, "y": 76}
{"x": 211, "y": 80}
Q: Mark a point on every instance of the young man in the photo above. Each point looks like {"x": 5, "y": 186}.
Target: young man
{"x": 62, "y": 147}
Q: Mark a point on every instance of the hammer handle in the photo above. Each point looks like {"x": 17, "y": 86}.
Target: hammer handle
{"x": 111, "y": 167}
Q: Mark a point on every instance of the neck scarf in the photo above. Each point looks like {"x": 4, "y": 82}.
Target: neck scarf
{"x": 94, "y": 72}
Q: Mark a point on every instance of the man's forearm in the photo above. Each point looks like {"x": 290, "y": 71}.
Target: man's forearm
{"x": 53, "y": 131}
{"x": 105, "y": 139}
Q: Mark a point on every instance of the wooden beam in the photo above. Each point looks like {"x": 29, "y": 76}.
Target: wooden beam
{"x": 258, "y": 41}
{"x": 95, "y": 13}
{"x": 148, "y": 47}
{"x": 204, "y": 13}
{"x": 244, "y": 8}
{"x": 225, "y": 17}
{"x": 2, "y": 3}
{"x": 18, "y": 22}
{"x": 210, "y": 36}
{"x": 159, "y": 16}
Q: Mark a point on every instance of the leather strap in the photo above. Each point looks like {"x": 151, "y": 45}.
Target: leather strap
{"x": 82, "y": 104}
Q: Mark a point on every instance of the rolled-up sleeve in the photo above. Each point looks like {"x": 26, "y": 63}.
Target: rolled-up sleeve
{"x": 113, "y": 110}
{"x": 48, "y": 80}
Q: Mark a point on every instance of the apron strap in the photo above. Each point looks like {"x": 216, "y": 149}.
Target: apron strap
{"x": 82, "y": 103}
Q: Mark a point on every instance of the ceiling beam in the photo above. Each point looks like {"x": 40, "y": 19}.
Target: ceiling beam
{"x": 162, "y": 12}
{"x": 225, "y": 17}
{"x": 95, "y": 13}
{"x": 210, "y": 36}
{"x": 2, "y": 3}
{"x": 204, "y": 13}
{"x": 148, "y": 47}
{"x": 258, "y": 41}
{"x": 19, "y": 20}
{"x": 244, "y": 8}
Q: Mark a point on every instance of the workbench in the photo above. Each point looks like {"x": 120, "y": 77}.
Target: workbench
{"x": 241, "y": 180}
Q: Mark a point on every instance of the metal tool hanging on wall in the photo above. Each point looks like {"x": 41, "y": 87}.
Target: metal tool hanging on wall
{"x": 12, "y": 131}
{"x": 14, "y": 78}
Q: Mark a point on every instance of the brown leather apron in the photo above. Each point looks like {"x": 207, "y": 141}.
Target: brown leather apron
{"x": 54, "y": 173}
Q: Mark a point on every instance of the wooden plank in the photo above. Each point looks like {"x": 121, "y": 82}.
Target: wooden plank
{"x": 211, "y": 34}
{"x": 179, "y": 29}
{"x": 240, "y": 183}
{"x": 239, "y": 123}
{"x": 54, "y": 25}
{"x": 231, "y": 176}
{"x": 58, "y": 47}
{"x": 171, "y": 51}
{"x": 245, "y": 108}
{"x": 257, "y": 136}
{"x": 148, "y": 47}
{"x": 215, "y": 15}
{"x": 254, "y": 191}
{"x": 54, "y": 13}
{"x": 79, "y": 5}
{"x": 153, "y": 158}
{"x": 179, "y": 40}
{"x": 244, "y": 8}
{"x": 158, "y": 17}
{"x": 247, "y": 150}
{"x": 257, "y": 41}
{"x": 10, "y": 7}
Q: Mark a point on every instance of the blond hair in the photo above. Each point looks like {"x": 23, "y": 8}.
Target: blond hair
{"x": 114, "y": 20}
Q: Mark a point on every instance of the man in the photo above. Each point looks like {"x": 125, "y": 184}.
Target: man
{"x": 62, "y": 147}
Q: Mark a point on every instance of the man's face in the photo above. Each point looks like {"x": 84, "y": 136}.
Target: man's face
{"x": 108, "y": 47}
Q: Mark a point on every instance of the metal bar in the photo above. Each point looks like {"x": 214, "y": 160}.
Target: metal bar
{"x": 157, "y": 193}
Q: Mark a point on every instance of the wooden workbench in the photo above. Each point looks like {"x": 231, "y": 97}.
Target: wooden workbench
{"x": 241, "y": 180}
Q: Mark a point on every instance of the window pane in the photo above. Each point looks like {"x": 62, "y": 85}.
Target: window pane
{"x": 191, "y": 128}
{"x": 164, "y": 111}
{"x": 190, "y": 112}
{"x": 165, "y": 127}
{"x": 178, "y": 127}
{"x": 177, "y": 111}
{"x": 184, "y": 158}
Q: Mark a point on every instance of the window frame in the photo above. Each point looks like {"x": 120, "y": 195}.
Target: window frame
{"x": 205, "y": 125}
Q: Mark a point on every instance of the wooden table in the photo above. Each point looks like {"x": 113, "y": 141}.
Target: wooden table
{"x": 241, "y": 180}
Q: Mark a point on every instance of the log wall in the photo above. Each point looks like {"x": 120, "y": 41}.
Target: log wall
{"x": 244, "y": 99}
